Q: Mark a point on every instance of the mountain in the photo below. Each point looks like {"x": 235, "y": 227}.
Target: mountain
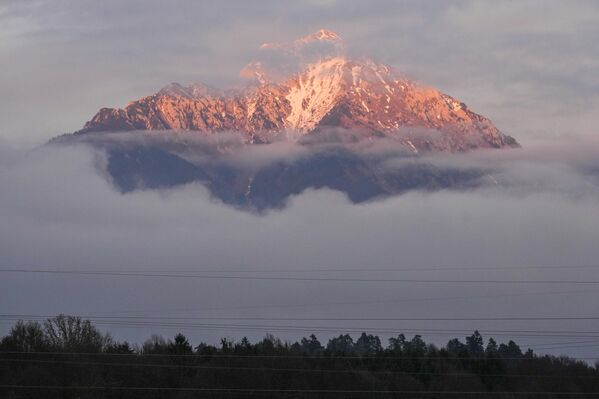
{"x": 331, "y": 92}
{"x": 313, "y": 96}
{"x": 341, "y": 168}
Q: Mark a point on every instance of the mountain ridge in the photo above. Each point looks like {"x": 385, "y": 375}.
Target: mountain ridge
{"x": 334, "y": 91}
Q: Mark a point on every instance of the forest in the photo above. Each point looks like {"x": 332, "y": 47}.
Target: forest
{"x": 69, "y": 357}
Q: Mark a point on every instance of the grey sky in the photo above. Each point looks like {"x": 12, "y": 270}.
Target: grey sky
{"x": 528, "y": 65}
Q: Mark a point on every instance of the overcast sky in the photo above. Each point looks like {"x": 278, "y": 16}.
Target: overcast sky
{"x": 531, "y": 66}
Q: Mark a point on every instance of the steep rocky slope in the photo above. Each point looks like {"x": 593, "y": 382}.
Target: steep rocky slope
{"x": 332, "y": 91}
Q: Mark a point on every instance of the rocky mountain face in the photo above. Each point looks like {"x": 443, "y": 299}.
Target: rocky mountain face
{"x": 312, "y": 93}
{"x": 331, "y": 91}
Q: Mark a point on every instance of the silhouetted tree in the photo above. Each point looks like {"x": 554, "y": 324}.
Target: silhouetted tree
{"x": 204, "y": 349}
{"x": 397, "y": 344}
{"x": 180, "y": 346}
{"x": 492, "y": 348}
{"x": 25, "y": 337}
{"x": 311, "y": 346}
{"x": 368, "y": 345}
{"x": 341, "y": 345}
{"x": 415, "y": 347}
{"x": 475, "y": 344}
{"x": 244, "y": 346}
{"x": 155, "y": 345}
{"x": 456, "y": 347}
{"x": 510, "y": 350}
{"x": 269, "y": 345}
{"x": 226, "y": 345}
{"x": 119, "y": 347}
{"x": 72, "y": 334}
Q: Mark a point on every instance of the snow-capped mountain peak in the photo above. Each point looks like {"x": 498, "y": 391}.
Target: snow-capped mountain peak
{"x": 329, "y": 91}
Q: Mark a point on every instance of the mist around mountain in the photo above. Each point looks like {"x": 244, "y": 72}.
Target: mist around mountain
{"x": 260, "y": 177}
{"x": 309, "y": 116}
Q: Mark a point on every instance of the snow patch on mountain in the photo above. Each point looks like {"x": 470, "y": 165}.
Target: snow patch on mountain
{"x": 315, "y": 93}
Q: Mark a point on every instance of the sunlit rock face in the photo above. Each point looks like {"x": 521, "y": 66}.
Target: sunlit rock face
{"x": 329, "y": 90}
{"x": 350, "y": 119}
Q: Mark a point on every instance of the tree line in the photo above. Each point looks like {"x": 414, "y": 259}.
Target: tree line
{"x": 68, "y": 357}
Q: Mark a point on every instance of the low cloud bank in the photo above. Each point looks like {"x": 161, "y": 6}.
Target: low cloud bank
{"x": 540, "y": 207}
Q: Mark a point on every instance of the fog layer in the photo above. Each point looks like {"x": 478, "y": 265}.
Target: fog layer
{"x": 59, "y": 211}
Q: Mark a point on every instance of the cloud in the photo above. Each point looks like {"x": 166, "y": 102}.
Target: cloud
{"x": 58, "y": 211}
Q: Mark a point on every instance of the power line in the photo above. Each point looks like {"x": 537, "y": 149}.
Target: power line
{"x": 302, "y": 391}
{"x": 320, "y": 328}
{"x": 338, "y": 270}
{"x": 429, "y": 332}
{"x": 286, "y": 369}
{"x": 287, "y": 278}
{"x": 569, "y": 346}
{"x": 335, "y": 329}
{"x": 378, "y": 301}
{"x": 559, "y": 344}
{"x": 547, "y": 345}
{"x": 252, "y": 318}
{"x": 437, "y": 356}
{"x": 394, "y": 331}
